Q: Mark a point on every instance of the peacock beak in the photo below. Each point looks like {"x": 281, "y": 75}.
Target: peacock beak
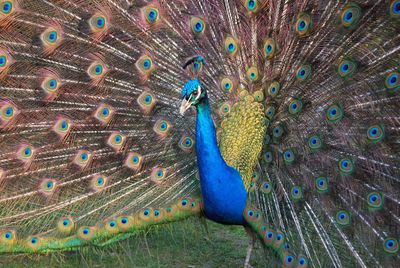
{"x": 186, "y": 103}
{"x": 184, "y": 106}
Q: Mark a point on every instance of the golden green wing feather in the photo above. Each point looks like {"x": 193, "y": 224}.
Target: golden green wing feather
{"x": 242, "y": 134}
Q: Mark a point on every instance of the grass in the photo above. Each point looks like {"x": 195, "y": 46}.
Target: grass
{"x": 180, "y": 244}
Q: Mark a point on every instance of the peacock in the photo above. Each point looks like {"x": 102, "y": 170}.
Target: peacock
{"x": 281, "y": 116}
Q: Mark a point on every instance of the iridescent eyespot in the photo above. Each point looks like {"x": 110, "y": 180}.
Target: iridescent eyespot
{"x": 252, "y": 74}
{"x": 98, "y": 22}
{"x": 252, "y": 6}
{"x": 301, "y": 262}
{"x": 279, "y": 240}
{"x": 350, "y": 15}
{"x": 273, "y": 89}
{"x": 134, "y": 161}
{"x": 295, "y": 106}
{"x": 277, "y": 132}
{"x": 51, "y": 85}
{"x": 51, "y": 38}
{"x": 151, "y": 14}
{"x": 268, "y": 157}
{"x": 145, "y": 65}
{"x": 296, "y": 193}
{"x": 270, "y": 111}
{"x": 392, "y": 82}
{"x": 228, "y": 84}
{"x": 314, "y": 143}
{"x": 395, "y": 9}
{"x": 34, "y": 240}
{"x": 116, "y": 141}
{"x": 158, "y": 175}
{"x": 375, "y": 200}
{"x": 303, "y": 25}
{"x": 65, "y": 225}
{"x": 26, "y": 153}
{"x": 7, "y": 113}
{"x": 303, "y": 72}
{"x": 83, "y": 158}
{"x": 391, "y": 245}
{"x": 98, "y": 182}
{"x": 186, "y": 143}
{"x": 197, "y": 25}
{"x": 6, "y": 7}
{"x": 3, "y": 60}
{"x": 270, "y": 48}
{"x": 86, "y": 233}
{"x": 346, "y": 166}
{"x": 162, "y": 128}
{"x": 376, "y": 133}
{"x": 321, "y": 184}
{"x": 231, "y": 46}
{"x": 184, "y": 203}
{"x": 289, "y": 156}
{"x": 266, "y": 187}
{"x": 343, "y": 218}
{"x": 97, "y": 71}
{"x": 334, "y": 113}
{"x": 225, "y": 109}
{"x": 347, "y": 68}
{"x": 62, "y": 127}
{"x": 269, "y": 237}
{"x": 289, "y": 260}
{"x": 157, "y": 212}
{"x": 48, "y": 186}
{"x": 104, "y": 114}
{"x": 8, "y": 237}
{"x": 147, "y": 101}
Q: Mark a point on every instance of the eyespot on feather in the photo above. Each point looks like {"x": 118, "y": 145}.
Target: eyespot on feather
{"x": 98, "y": 182}
{"x": 158, "y": 175}
{"x": 273, "y": 89}
{"x": 162, "y": 128}
{"x": 145, "y": 65}
{"x": 186, "y": 143}
{"x": 8, "y": 113}
{"x": 8, "y": 237}
{"x": 66, "y": 225}
{"x": 253, "y": 74}
{"x": 97, "y": 71}
{"x": 151, "y": 14}
{"x": 304, "y": 25}
{"x": 271, "y": 48}
{"x": 228, "y": 84}
{"x": 147, "y": 100}
{"x": 48, "y": 186}
{"x": 303, "y": 72}
{"x": 6, "y": 61}
{"x": 62, "y": 127}
{"x": 116, "y": 141}
{"x": 26, "y": 154}
{"x": 104, "y": 113}
{"x": 231, "y": 46}
{"x": 83, "y": 159}
{"x": 51, "y": 37}
{"x": 134, "y": 161}
{"x": 86, "y": 233}
{"x": 350, "y": 15}
{"x": 99, "y": 24}
{"x": 197, "y": 25}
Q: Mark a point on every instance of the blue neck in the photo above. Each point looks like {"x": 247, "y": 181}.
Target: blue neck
{"x": 222, "y": 187}
{"x": 206, "y": 139}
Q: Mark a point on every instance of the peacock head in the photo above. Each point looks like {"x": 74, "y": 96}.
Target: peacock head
{"x": 193, "y": 93}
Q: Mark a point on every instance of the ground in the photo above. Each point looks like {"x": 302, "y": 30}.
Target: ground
{"x": 180, "y": 244}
